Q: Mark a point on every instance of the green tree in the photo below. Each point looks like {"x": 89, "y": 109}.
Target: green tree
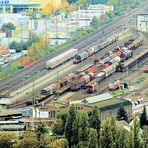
{"x": 8, "y": 27}
{"x": 94, "y": 121}
{"x": 58, "y": 127}
{"x": 75, "y": 130}
{"x": 95, "y": 22}
{"x": 93, "y": 138}
{"x": 28, "y": 140}
{"x": 69, "y": 124}
{"x": 83, "y": 127}
{"x": 41, "y": 129}
{"x": 120, "y": 138}
{"x": 121, "y": 114}
{"x": 136, "y": 131}
{"x": 145, "y": 137}
{"x": 143, "y": 118}
{"x": 7, "y": 140}
{"x": 106, "y": 136}
{"x": 130, "y": 142}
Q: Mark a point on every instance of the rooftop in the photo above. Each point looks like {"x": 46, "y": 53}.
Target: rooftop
{"x": 4, "y": 101}
{"x": 97, "y": 99}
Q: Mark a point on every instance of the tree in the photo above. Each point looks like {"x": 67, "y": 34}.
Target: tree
{"x": 93, "y": 138}
{"x": 58, "y": 127}
{"x": 121, "y": 114}
{"x": 145, "y": 136}
{"x": 69, "y": 124}
{"x": 83, "y": 127}
{"x": 95, "y": 22}
{"x": 120, "y": 138}
{"x": 41, "y": 129}
{"x": 106, "y": 135}
{"x": 130, "y": 142}
{"x": 75, "y": 130}
{"x": 94, "y": 121}
{"x": 143, "y": 118}
{"x": 8, "y": 27}
{"x": 59, "y": 143}
{"x": 136, "y": 131}
{"x": 29, "y": 140}
{"x": 7, "y": 140}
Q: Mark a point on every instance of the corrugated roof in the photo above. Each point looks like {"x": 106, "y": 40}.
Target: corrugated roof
{"x": 97, "y": 98}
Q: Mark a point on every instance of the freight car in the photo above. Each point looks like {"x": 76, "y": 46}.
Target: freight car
{"x": 145, "y": 68}
{"x": 56, "y": 61}
{"x": 132, "y": 61}
{"x": 90, "y": 87}
{"x": 76, "y": 85}
{"x": 90, "y": 51}
{"x": 115, "y": 85}
{"x": 134, "y": 43}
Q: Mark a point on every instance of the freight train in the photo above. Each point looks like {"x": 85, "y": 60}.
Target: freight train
{"x": 86, "y": 74}
{"x": 92, "y": 50}
{"x": 56, "y": 61}
{"x": 132, "y": 61}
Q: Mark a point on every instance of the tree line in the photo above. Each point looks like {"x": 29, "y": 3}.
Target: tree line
{"x": 79, "y": 129}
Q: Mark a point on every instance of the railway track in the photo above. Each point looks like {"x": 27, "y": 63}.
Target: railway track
{"x": 102, "y": 88}
{"x": 14, "y": 80}
{"x": 47, "y": 82}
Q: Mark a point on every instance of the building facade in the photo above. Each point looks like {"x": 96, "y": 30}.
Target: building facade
{"x": 142, "y": 22}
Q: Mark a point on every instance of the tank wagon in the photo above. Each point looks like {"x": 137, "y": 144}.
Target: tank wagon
{"x": 56, "y": 61}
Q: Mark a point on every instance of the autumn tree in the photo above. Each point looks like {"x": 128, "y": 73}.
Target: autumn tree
{"x": 93, "y": 138}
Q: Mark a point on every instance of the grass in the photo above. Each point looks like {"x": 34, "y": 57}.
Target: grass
{"x": 119, "y": 92}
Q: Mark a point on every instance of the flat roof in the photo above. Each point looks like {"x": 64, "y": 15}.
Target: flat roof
{"x": 97, "y": 99}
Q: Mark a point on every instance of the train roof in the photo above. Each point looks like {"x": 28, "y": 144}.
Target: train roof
{"x": 85, "y": 67}
{"x": 62, "y": 55}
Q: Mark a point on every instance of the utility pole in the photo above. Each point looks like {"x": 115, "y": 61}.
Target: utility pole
{"x": 58, "y": 88}
{"x": 33, "y": 94}
{"x": 97, "y": 88}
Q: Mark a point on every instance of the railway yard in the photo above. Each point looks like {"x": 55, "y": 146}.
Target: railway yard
{"x": 113, "y": 60}
{"x": 48, "y": 92}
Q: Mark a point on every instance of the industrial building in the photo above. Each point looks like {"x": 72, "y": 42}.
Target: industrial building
{"x": 142, "y": 22}
{"x": 106, "y": 103}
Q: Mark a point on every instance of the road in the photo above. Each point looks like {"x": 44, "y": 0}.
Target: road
{"x": 12, "y": 82}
